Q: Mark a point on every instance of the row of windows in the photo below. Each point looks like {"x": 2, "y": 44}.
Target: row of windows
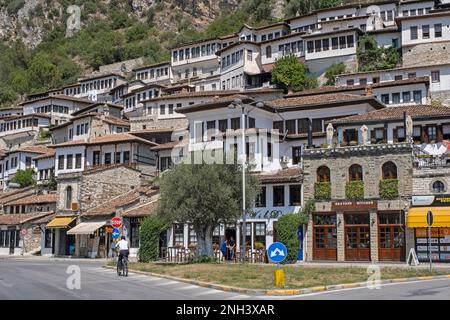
{"x": 299, "y": 126}
{"x": 9, "y": 238}
{"x": 69, "y": 163}
{"x": 18, "y": 124}
{"x": 278, "y": 200}
{"x": 108, "y": 157}
{"x": 145, "y": 75}
{"x": 72, "y": 91}
{"x": 14, "y": 163}
{"x": 55, "y": 108}
{"x": 195, "y": 73}
{"x": 221, "y": 125}
{"x": 131, "y": 102}
{"x": 286, "y": 49}
{"x": 45, "y": 174}
{"x": 233, "y": 58}
{"x": 416, "y": 12}
{"x": 336, "y": 43}
{"x": 403, "y": 97}
{"x": 234, "y": 82}
{"x": 195, "y": 52}
{"x": 355, "y": 172}
{"x": 273, "y": 35}
{"x": 414, "y": 31}
{"x": 99, "y": 84}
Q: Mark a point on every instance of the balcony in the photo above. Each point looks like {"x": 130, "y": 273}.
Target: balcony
{"x": 354, "y": 190}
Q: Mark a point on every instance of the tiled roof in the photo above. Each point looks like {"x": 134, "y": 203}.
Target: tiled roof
{"x": 111, "y": 138}
{"x": 33, "y": 149}
{"x": 396, "y": 113}
{"x": 169, "y": 145}
{"x": 49, "y": 154}
{"x": 151, "y": 65}
{"x": 317, "y": 99}
{"x": 93, "y": 105}
{"x": 62, "y": 97}
{"x": 112, "y": 205}
{"x": 334, "y": 89}
{"x": 16, "y": 194}
{"x": 34, "y": 199}
{"x": 294, "y": 174}
{"x": 14, "y": 219}
{"x": 144, "y": 210}
{"x": 116, "y": 121}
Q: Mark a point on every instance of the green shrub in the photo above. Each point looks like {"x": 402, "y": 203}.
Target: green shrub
{"x": 14, "y": 6}
{"x": 287, "y": 227}
{"x": 322, "y": 190}
{"x": 354, "y": 190}
{"x": 388, "y": 188}
{"x": 150, "y": 230}
{"x": 24, "y": 177}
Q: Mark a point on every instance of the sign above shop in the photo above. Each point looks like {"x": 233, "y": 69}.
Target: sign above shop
{"x": 442, "y": 200}
{"x": 354, "y": 205}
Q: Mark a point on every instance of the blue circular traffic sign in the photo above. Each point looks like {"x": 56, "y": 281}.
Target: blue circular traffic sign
{"x": 277, "y": 252}
{"x": 116, "y": 234}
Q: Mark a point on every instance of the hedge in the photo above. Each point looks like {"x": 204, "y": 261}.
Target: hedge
{"x": 150, "y": 230}
{"x": 322, "y": 190}
{"x": 354, "y": 190}
{"x": 388, "y": 188}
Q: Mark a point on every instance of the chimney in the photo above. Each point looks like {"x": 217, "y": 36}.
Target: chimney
{"x": 369, "y": 91}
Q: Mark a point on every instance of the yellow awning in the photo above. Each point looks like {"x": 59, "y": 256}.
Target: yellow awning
{"x": 60, "y": 222}
{"x": 417, "y": 217}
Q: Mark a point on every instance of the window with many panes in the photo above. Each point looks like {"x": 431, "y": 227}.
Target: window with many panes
{"x": 295, "y": 195}
{"x": 261, "y": 198}
{"x": 278, "y": 196}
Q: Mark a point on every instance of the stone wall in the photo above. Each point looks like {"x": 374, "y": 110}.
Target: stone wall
{"x": 100, "y": 185}
{"x": 64, "y": 181}
{"x": 422, "y": 54}
{"x": 31, "y": 242}
{"x": 423, "y": 179}
{"x": 142, "y": 123}
{"x": 371, "y": 158}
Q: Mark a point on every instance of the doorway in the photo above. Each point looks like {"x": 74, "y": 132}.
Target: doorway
{"x": 357, "y": 237}
{"x": 324, "y": 237}
{"x": 391, "y": 236}
{"x": 13, "y": 239}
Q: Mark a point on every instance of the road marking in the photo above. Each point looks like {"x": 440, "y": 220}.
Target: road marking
{"x": 189, "y": 287}
{"x": 167, "y": 283}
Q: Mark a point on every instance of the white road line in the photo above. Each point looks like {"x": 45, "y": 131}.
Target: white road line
{"x": 189, "y": 287}
{"x": 167, "y": 283}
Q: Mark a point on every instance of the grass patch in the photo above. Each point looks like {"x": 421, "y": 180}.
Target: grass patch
{"x": 262, "y": 276}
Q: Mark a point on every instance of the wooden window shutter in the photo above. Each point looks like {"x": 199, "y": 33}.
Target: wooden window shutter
{"x": 395, "y": 134}
{"x": 439, "y": 134}
{"x": 384, "y": 134}
{"x": 424, "y": 134}
{"x": 372, "y": 134}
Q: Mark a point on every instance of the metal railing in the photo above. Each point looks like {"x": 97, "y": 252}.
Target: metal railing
{"x": 184, "y": 255}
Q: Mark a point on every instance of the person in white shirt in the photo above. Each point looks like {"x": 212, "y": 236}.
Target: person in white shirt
{"x": 123, "y": 248}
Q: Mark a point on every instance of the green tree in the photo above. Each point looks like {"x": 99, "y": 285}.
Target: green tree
{"x": 24, "y": 177}
{"x": 205, "y": 195}
{"x": 43, "y": 73}
{"x": 299, "y": 7}
{"x": 151, "y": 228}
{"x": 289, "y": 74}
{"x": 371, "y": 57}
{"x": 333, "y": 71}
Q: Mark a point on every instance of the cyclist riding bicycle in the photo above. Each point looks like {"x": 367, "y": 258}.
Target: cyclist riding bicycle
{"x": 122, "y": 245}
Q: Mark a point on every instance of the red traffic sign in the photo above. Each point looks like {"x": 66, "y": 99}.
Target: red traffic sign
{"x": 116, "y": 222}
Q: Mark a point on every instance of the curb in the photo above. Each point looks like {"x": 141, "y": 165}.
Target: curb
{"x": 284, "y": 292}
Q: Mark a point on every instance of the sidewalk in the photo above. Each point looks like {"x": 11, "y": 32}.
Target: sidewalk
{"x": 334, "y": 264}
{"x": 52, "y": 258}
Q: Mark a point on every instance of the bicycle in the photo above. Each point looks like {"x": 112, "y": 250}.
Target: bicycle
{"x": 122, "y": 266}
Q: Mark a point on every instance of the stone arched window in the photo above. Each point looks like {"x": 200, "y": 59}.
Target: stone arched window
{"x": 389, "y": 170}
{"x": 355, "y": 172}
{"x": 68, "y": 197}
{"x": 438, "y": 186}
{"x": 323, "y": 174}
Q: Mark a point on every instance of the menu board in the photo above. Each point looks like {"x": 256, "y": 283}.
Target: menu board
{"x": 440, "y": 244}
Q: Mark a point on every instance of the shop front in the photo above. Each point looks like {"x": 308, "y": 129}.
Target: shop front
{"x": 64, "y": 243}
{"x": 92, "y": 240}
{"x": 439, "y": 205}
{"x": 360, "y": 230}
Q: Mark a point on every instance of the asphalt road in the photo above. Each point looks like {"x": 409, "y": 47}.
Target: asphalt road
{"x": 31, "y": 279}
{"x": 40, "y": 280}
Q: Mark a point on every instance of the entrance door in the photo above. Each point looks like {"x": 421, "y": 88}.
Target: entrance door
{"x": 391, "y": 236}
{"x": 324, "y": 237}
{"x": 12, "y": 241}
{"x": 357, "y": 237}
